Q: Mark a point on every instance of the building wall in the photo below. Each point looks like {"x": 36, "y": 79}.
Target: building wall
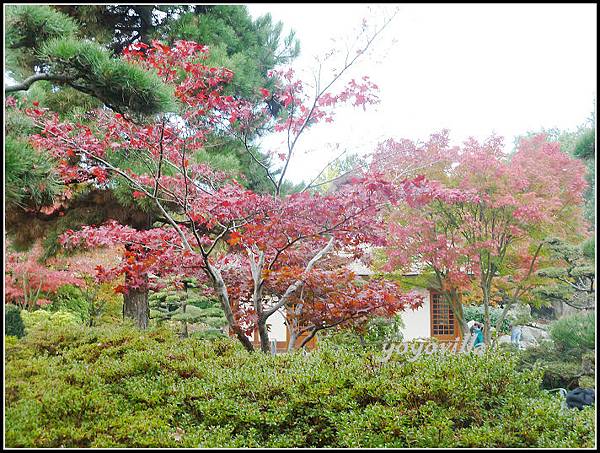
{"x": 417, "y": 323}
{"x": 276, "y": 326}
{"x": 277, "y": 329}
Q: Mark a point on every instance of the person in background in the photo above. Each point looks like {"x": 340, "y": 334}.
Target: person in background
{"x": 515, "y": 335}
{"x": 477, "y": 330}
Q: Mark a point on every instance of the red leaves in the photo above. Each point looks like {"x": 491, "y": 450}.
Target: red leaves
{"x": 100, "y": 174}
{"x": 234, "y": 238}
{"x": 24, "y": 275}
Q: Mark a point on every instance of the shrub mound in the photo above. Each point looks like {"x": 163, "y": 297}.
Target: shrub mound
{"x": 116, "y": 387}
{"x": 568, "y": 361}
{"x": 576, "y": 333}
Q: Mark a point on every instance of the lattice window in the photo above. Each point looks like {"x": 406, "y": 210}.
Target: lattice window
{"x": 442, "y": 316}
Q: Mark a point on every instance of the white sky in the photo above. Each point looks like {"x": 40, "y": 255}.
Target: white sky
{"x": 474, "y": 69}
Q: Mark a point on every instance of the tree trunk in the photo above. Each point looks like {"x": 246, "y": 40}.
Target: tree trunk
{"x": 457, "y": 309}
{"x": 263, "y": 334}
{"x": 292, "y": 342}
{"x": 256, "y": 265}
{"x": 486, "y": 315}
{"x": 135, "y": 306}
{"x": 221, "y": 290}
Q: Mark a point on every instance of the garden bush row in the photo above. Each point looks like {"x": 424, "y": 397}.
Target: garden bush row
{"x": 113, "y": 386}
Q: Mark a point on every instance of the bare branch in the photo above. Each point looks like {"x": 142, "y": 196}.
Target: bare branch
{"x": 310, "y": 184}
{"x": 321, "y": 92}
{"x": 23, "y": 86}
{"x": 299, "y": 283}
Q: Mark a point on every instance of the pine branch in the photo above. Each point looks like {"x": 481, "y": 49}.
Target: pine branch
{"x": 23, "y": 86}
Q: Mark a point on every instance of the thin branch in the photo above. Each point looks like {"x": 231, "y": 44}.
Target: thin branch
{"x": 299, "y": 283}
{"x": 347, "y": 65}
{"x": 310, "y": 184}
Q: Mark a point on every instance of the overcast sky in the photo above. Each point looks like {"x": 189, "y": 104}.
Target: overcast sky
{"x": 473, "y": 69}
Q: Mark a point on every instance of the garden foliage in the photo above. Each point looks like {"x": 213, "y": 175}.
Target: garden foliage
{"x": 115, "y": 387}
{"x": 568, "y": 361}
{"x": 476, "y": 313}
{"x": 13, "y": 323}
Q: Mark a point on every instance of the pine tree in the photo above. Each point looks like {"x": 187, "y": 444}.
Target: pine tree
{"x": 67, "y": 59}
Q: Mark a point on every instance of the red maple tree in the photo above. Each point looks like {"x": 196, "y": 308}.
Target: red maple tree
{"x": 27, "y": 281}
{"x": 259, "y": 252}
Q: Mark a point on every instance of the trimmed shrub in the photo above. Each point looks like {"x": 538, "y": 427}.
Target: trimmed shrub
{"x": 117, "y": 387}
{"x": 71, "y": 298}
{"x": 587, "y": 382}
{"x": 43, "y": 319}
{"x": 13, "y": 323}
{"x": 575, "y": 333}
{"x": 568, "y": 361}
{"x": 372, "y": 336}
{"x": 202, "y": 302}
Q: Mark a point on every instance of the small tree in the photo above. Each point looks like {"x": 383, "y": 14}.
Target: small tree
{"x": 27, "y": 282}
{"x": 270, "y": 239}
{"x": 177, "y": 302}
{"x": 571, "y": 279}
{"x": 480, "y": 207}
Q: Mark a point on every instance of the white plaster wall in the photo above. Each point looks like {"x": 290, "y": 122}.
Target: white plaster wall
{"x": 276, "y": 326}
{"x": 417, "y": 323}
{"x": 277, "y": 329}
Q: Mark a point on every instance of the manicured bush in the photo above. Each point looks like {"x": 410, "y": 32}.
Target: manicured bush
{"x": 118, "y": 387}
{"x": 44, "y": 319}
{"x": 71, "y": 298}
{"x": 209, "y": 334}
{"x": 575, "y": 333}
{"x": 201, "y": 313}
{"x": 587, "y": 382}
{"x": 568, "y": 361}
{"x": 372, "y": 336}
{"x": 13, "y": 323}
{"x": 202, "y": 302}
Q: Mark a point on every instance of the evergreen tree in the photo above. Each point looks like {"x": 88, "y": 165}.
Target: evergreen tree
{"x": 65, "y": 57}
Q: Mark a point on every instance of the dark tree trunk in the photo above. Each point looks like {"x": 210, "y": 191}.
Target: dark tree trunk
{"x": 135, "y": 306}
{"x": 263, "y": 334}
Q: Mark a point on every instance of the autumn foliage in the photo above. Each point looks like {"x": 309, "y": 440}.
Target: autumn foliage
{"x": 474, "y": 208}
{"x": 260, "y": 253}
{"x": 28, "y": 283}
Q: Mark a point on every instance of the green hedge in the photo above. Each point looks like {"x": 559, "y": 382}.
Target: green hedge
{"x": 117, "y": 387}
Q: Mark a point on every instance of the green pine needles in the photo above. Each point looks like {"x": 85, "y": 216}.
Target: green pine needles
{"x": 90, "y": 68}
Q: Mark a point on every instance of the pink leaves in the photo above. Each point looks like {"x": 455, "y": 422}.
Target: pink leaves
{"x": 10, "y": 102}
{"x": 475, "y": 201}
{"x": 27, "y": 280}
